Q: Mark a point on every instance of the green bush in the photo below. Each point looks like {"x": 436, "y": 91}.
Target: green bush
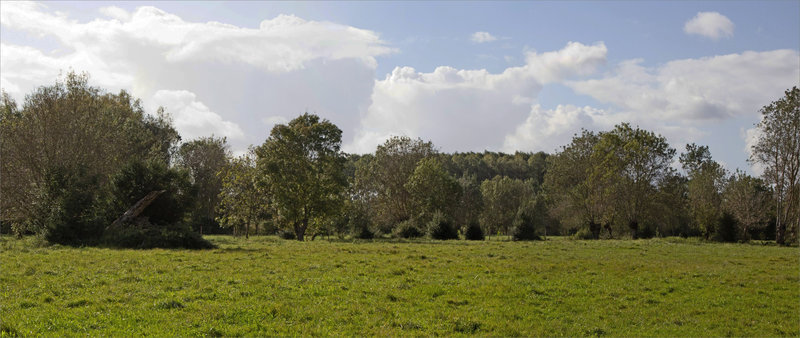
{"x": 163, "y": 223}
{"x": 287, "y": 234}
{"x": 137, "y": 179}
{"x": 441, "y": 228}
{"x": 583, "y": 233}
{"x": 527, "y": 223}
{"x": 365, "y": 233}
{"x": 145, "y": 235}
{"x": 407, "y": 229}
{"x": 726, "y": 229}
{"x": 474, "y": 232}
{"x": 72, "y": 211}
{"x": 359, "y": 223}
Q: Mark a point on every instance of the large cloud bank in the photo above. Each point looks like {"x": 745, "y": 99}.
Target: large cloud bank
{"x": 233, "y": 81}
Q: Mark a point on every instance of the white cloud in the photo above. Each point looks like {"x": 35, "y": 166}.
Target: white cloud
{"x": 547, "y": 129}
{"x": 750, "y": 137}
{"x": 283, "y": 43}
{"x": 192, "y": 118}
{"x": 284, "y": 67}
{"x": 463, "y": 110}
{"x": 697, "y": 90}
{"x": 574, "y": 59}
{"x": 709, "y": 24}
{"x": 115, "y": 13}
{"x": 481, "y": 37}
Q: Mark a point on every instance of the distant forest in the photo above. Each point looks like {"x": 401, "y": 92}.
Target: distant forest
{"x": 82, "y": 166}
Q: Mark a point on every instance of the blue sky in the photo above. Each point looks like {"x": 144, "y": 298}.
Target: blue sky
{"x": 349, "y": 62}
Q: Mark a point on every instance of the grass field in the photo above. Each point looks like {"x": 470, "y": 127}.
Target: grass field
{"x": 267, "y": 286}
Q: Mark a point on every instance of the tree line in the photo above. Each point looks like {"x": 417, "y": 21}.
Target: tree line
{"x": 74, "y": 157}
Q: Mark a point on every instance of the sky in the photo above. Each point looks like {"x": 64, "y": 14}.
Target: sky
{"x": 468, "y": 76}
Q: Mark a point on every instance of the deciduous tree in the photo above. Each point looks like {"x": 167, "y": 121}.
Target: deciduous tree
{"x": 778, "y": 150}
{"x": 574, "y": 194}
{"x": 383, "y": 178}
{"x": 635, "y": 161}
{"x": 205, "y": 158}
{"x": 747, "y": 198}
{"x": 243, "y": 203}
{"x": 432, "y": 189}
{"x": 302, "y": 168}
{"x": 705, "y": 186}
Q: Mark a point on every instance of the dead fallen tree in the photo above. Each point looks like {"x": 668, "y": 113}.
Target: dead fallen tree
{"x": 137, "y": 208}
{"x": 133, "y": 230}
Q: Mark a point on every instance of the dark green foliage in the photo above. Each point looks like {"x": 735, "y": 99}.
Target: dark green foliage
{"x": 726, "y": 228}
{"x": 646, "y": 232}
{"x": 474, "y": 232}
{"x": 77, "y": 135}
{"x": 433, "y": 190}
{"x": 204, "y": 159}
{"x": 71, "y": 212}
{"x": 525, "y": 227}
{"x": 441, "y": 228}
{"x": 302, "y": 168}
{"x": 145, "y": 235}
{"x": 365, "y": 233}
{"x": 525, "y": 230}
{"x": 530, "y": 220}
{"x": 162, "y": 224}
{"x": 407, "y": 229}
{"x": 287, "y": 234}
{"x": 583, "y": 233}
{"x": 139, "y": 178}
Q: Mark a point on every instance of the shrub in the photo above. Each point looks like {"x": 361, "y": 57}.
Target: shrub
{"x": 726, "y": 229}
{"x": 583, "y": 233}
{"x": 138, "y": 178}
{"x": 407, "y": 229}
{"x": 287, "y": 234}
{"x": 441, "y": 228}
{"x": 526, "y": 223}
{"x": 71, "y": 212}
{"x": 474, "y": 232}
{"x": 359, "y": 222}
{"x": 365, "y": 233}
{"x": 142, "y": 234}
{"x": 163, "y": 223}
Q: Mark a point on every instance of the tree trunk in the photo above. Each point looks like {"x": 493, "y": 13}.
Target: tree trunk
{"x": 634, "y": 225}
{"x": 300, "y": 229}
{"x": 136, "y": 209}
{"x": 594, "y": 228}
{"x": 608, "y": 228}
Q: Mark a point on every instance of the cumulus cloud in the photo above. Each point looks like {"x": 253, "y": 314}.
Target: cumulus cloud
{"x": 547, "y": 129}
{"x": 466, "y": 109}
{"x": 705, "y": 89}
{"x": 115, "y": 13}
{"x": 709, "y": 24}
{"x": 283, "y": 43}
{"x": 481, "y": 37}
{"x": 283, "y": 67}
{"x": 750, "y": 137}
{"x": 574, "y": 59}
{"x": 192, "y": 118}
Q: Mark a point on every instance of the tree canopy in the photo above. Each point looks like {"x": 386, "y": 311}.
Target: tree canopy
{"x": 302, "y": 168}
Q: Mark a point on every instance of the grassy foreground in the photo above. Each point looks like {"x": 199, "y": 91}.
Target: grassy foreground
{"x": 267, "y": 286}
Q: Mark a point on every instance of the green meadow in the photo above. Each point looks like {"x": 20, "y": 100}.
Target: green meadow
{"x": 266, "y": 286}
